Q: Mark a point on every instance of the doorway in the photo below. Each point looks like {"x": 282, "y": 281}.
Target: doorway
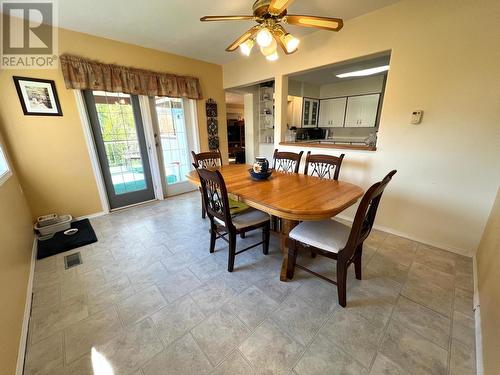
{"x": 235, "y": 127}
{"x": 119, "y": 138}
{"x": 174, "y": 140}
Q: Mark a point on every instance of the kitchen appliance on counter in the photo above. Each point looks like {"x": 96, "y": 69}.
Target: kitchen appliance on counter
{"x": 304, "y": 134}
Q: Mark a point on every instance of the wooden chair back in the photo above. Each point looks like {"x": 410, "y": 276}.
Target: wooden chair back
{"x": 365, "y": 215}
{"x": 323, "y": 166}
{"x": 207, "y": 159}
{"x": 215, "y": 198}
{"x": 288, "y": 162}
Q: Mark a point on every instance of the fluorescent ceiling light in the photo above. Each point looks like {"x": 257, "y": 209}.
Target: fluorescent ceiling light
{"x": 364, "y": 72}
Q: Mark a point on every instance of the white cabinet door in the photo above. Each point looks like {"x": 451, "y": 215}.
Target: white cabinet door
{"x": 297, "y": 111}
{"x": 362, "y": 111}
{"x": 331, "y": 112}
{"x": 289, "y": 112}
{"x": 325, "y": 109}
{"x": 337, "y": 112}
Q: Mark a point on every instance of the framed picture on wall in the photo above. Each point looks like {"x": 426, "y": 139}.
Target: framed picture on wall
{"x": 38, "y": 97}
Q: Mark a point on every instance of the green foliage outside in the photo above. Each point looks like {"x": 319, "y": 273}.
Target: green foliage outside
{"x": 117, "y": 128}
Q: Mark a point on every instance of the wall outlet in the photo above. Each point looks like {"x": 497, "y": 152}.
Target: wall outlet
{"x": 416, "y": 117}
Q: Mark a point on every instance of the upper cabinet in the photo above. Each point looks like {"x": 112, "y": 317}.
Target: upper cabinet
{"x": 331, "y": 112}
{"x": 310, "y": 111}
{"x": 294, "y": 111}
{"x": 362, "y": 111}
{"x": 358, "y": 111}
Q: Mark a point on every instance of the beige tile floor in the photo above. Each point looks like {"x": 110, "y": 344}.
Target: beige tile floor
{"x": 151, "y": 300}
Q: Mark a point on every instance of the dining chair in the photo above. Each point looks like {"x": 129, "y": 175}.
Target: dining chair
{"x": 206, "y": 160}
{"x": 335, "y": 240}
{"x": 222, "y": 223}
{"x": 323, "y": 166}
{"x": 287, "y": 161}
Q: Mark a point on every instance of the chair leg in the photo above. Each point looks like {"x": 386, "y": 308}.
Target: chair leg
{"x": 313, "y": 254}
{"x": 292, "y": 258}
{"x": 232, "y": 252}
{"x": 213, "y": 237}
{"x": 203, "y": 211}
{"x": 265, "y": 239}
{"x": 357, "y": 261}
{"x": 242, "y": 235}
{"x": 341, "y": 282}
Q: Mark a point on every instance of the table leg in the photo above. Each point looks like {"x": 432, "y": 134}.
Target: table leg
{"x": 286, "y": 227}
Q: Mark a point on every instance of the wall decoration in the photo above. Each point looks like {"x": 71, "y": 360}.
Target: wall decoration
{"x": 211, "y": 108}
{"x": 212, "y": 124}
{"x": 213, "y": 143}
{"x": 38, "y": 96}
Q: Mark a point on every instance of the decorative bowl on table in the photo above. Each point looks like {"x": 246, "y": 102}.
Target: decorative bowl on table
{"x": 260, "y": 176}
{"x": 260, "y": 169}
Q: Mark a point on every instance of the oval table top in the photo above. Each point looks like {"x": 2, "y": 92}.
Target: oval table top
{"x": 288, "y": 196}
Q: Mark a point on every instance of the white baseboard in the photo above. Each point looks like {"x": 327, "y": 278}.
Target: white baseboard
{"x": 27, "y": 312}
{"x": 92, "y": 216}
{"x": 413, "y": 238}
{"x": 477, "y": 321}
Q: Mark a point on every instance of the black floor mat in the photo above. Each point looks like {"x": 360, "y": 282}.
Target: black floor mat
{"x": 61, "y": 242}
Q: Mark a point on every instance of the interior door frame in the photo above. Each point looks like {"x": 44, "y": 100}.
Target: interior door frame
{"x": 105, "y": 181}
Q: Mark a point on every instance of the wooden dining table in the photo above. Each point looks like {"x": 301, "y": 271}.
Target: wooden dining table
{"x": 292, "y": 197}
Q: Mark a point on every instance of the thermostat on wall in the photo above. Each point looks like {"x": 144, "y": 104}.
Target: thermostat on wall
{"x": 416, "y": 117}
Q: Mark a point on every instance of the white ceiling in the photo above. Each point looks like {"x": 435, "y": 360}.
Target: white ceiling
{"x": 174, "y": 26}
{"x": 326, "y": 75}
{"x": 234, "y": 98}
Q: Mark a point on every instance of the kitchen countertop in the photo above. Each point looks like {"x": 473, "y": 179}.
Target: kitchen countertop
{"x": 330, "y": 143}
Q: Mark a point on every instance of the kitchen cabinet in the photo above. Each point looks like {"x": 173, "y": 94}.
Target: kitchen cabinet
{"x": 331, "y": 112}
{"x": 362, "y": 111}
{"x": 294, "y": 111}
{"x": 310, "y": 112}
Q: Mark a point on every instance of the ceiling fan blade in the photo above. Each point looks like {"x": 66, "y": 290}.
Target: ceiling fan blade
{"x": 226, "y": 18}
{"x": 276, "y": 7}
{"x": 243, "y": 38}
{"x": 325, "y": 23}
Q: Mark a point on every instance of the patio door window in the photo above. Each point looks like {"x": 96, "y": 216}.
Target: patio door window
{"x": 121, "y": 146}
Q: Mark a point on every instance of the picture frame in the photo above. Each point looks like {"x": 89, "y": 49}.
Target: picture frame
{"x": 38, "y": 97}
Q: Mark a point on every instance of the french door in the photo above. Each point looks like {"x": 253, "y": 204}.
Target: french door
{"x": 174, "y": 140}
{"x": 121, "y": 146}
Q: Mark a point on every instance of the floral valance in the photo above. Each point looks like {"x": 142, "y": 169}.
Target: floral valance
{"x": 83, "y": 74}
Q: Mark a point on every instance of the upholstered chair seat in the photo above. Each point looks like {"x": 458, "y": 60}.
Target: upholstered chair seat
{"x": 247, "y": 218}
{"x": 329, "y": 235}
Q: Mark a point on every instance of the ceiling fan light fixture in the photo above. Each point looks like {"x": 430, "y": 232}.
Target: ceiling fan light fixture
{"x": 270, "y": 49}
{"x": 291, "y": 43}
{"x": 273, "y": 57}
{"x": 269, "y": 16}
{"x": 264, "y": 37}
{"x": 246, "y": 47}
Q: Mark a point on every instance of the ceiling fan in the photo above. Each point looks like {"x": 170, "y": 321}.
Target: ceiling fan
{"x": 269, "y": 32}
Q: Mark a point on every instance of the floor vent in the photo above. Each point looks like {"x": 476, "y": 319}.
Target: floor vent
{"x": 72, "y": 260}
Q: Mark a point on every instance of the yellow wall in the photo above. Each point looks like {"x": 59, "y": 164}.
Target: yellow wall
{"x": 488, "y": 277}
{"x": 445, "y": 57}
{"x": 50, "y": 152}
{"x": 16, "y": 241}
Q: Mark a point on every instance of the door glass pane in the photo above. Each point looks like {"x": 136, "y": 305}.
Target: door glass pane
{"x": 119, "y": 133}
{"x": 174, "y": 142}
